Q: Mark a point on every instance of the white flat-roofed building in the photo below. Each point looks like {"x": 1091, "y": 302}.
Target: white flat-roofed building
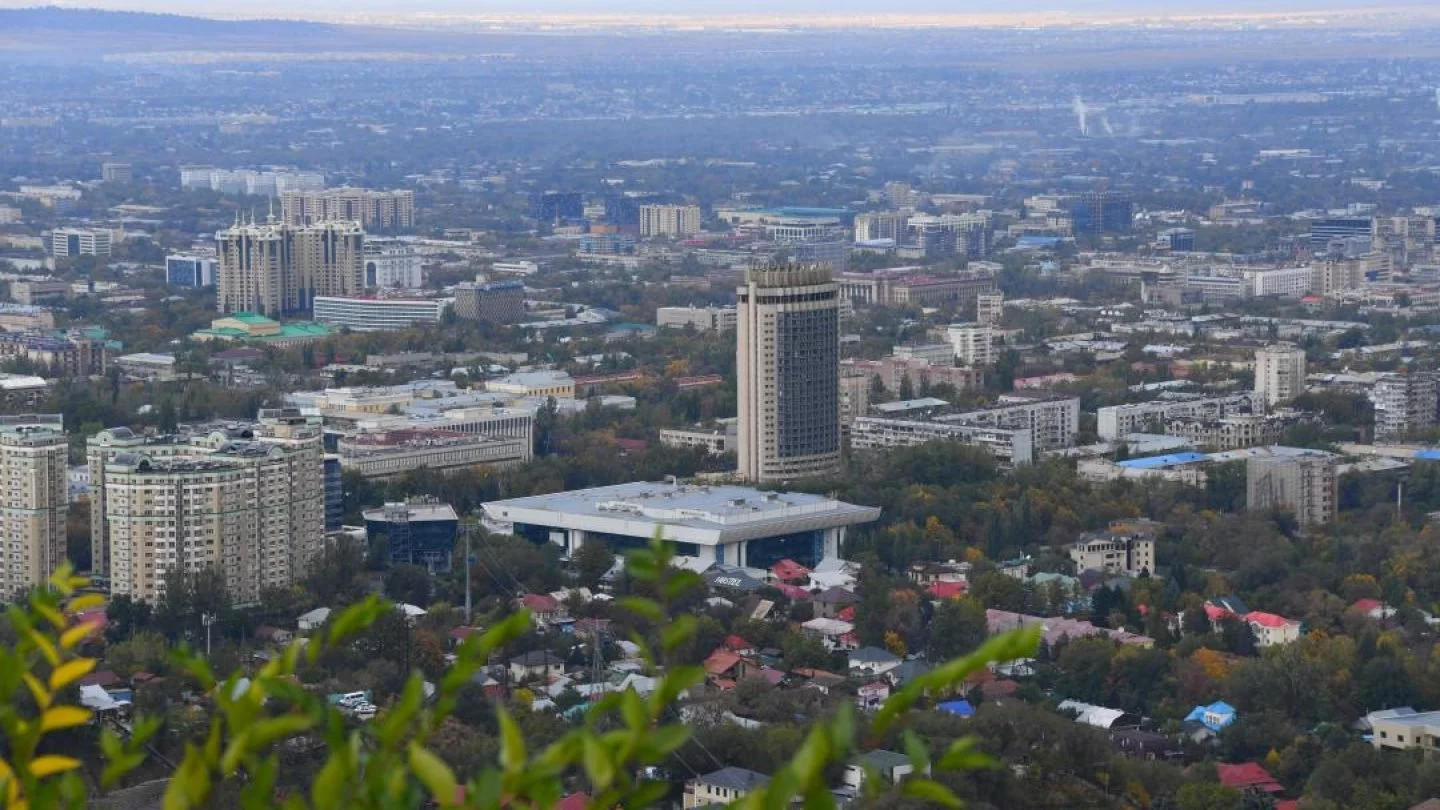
{"x": 727, "y": 524}
{"x": 520, "y": 268}
{"x": 1114, "y": 421}
{"x": 703, "y": 319}
{"x": 940, "y": 354}
{"x": 1286, "y": 282}
{"x": 1052, "y": 420}
{"x": 556, "y": 384}
{"x": 378, "y": 314}
{"x": 716, "y": 441}
{"x": 72, "y": 242}
{"x": 878, "y": 433}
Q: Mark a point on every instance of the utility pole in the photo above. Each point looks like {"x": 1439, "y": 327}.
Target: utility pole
{"x": 469, "y": 530}
{"x": 207, "y": 619}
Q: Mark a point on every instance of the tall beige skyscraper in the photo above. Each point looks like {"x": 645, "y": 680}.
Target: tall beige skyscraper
{"x": 274, "y": 269}
{"x": 33, "y": 463}
{"x": 248, "y": 500}
{"x": 1279, "y": 373}
{"x": 788, "y": 363}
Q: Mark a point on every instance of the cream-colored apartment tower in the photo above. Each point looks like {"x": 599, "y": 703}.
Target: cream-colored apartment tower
{"x": 370, "y": 208}
{"x": 788, "y": 363}
{"x": 669, "y": 220}
{"x": 1279, "y": 373}
{"x": 248, "y": 500}
{"x": 275, "y": 269}
{"x": 34, "y": 497}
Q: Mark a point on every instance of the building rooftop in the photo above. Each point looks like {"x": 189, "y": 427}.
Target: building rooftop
{"x": 716, "y": 508}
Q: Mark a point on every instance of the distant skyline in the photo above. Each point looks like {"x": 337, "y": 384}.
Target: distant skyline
{"x": 789, "y": 9}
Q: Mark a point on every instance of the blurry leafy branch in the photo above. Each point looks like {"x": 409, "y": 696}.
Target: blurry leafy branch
{"x": 389, "y": 763}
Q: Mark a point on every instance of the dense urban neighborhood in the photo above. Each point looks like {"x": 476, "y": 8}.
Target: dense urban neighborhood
{"x": 741, "y": 383}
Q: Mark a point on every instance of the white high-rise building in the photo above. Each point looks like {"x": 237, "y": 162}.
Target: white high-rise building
{"x": 34, "y": 452}
{"x": 788, "y": 364}
{"x": 390, "y": 263}
{"x": 1405, "y": 405}
{"x": 669, "y": 220}
{"x": 1279, "y": 373}
{"x": 974, "y": 343}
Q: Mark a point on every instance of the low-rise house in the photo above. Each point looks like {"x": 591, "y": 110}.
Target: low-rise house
{"x": 1057, "y": 628}
{"x": 270, "y": 634}
{"x": 1098, "y": 716}
{"x": 829, "y": 602}
{"x": 536, "y": 665}
{"x": 739, "y": 645}
{"x": 869, "y": 696}
{"x": 1271, "y": 629}
{"x": 945, "y": 591}
{"x": 545, "y": 610}
{"x": 1214, "y": 717}
{"x": 723, "y": 664}
{"x": 873, "y": 661}
{"x": 1248, "y": 777}
{"x": 1403, "y": 731}
{"x": 722, "y": 787}
{"x": 313, "y": 620}
{"x": 832, "y": 632}
{"x": 887, "y": 765}
{"x": 1151, "y": 745}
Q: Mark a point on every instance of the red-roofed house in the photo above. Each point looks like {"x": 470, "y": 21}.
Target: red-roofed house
{"x": 738, "y": 645}
{"x": 788, "y": 570}
{"x": 948, "y": 590}
{"x": 1271, "y": 629}
{"x": 794, "y": 593}
{"x": 1248, "y": 776}
{"x": 543, "y": 608}
{"x": 723, "y": 664}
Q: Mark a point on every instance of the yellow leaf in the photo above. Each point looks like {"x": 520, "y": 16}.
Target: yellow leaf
{"x": 51, "y": 764}
{"x": 70, "y": 638}
{"x": 42, "y": 695}
{"x": 51, "y": 614}
{"x": 84, "y": 602}
{"x": 63, "y": 717}
{"x": 70, "y": 672}
{"x": 45, "y": 646}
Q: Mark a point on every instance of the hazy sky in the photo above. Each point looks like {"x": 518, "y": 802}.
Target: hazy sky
{"x": 713, "y": 7}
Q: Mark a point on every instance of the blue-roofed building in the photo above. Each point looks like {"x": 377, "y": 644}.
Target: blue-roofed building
{"x": 723, "y": 524}
{"x": 1216, "y": 716}
{"x": 1167, "y": 460}
{"x": 959, "y": 708}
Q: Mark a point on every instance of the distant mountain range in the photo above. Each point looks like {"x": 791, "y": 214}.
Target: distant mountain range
{"x": 123, "y": 23}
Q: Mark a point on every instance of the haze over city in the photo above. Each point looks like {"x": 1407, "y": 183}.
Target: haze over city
{"x": 566, "y": 404}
